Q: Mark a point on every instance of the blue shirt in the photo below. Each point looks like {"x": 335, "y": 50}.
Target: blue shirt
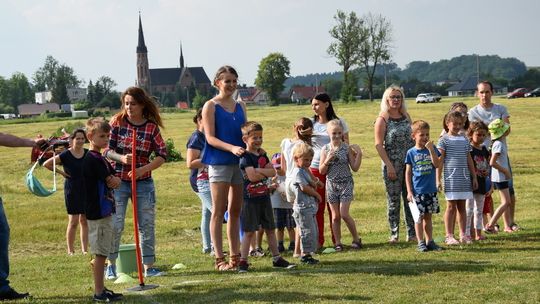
{"x": 423, "y": 171}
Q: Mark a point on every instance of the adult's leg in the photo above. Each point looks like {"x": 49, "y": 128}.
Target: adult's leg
{"x": 220, "y": 192}
{"x": 233, "y": 224}
{"x": 321, "y": 207}
{"x": 393, "y": 197}
{"x": 146, "y": 212}
{"x": 4, "y": 245}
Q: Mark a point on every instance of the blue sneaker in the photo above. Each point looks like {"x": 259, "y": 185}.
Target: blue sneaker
{"x": 153, "y": 272}
{"x": 110, "y": 272}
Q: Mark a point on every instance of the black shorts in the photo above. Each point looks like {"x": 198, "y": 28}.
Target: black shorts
{"x": 257, "y": 213}
{"x": 283, "y": 218}
{"x": 501, "y": 185}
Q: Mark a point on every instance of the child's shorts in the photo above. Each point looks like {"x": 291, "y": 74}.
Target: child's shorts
{"x": 427, "y": 203}
{"x": 257, "y": 213}
{"x": 501, "y": 185}
{"x": 100, "y": 236}
{"x": 340, "y": 192}
{"x": 283, "y": 218}
{"x": 488, "y": 205}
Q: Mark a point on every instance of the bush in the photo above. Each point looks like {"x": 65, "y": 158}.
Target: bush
{"x": 68, "y": 128}
{"x": 173, "y": 155}
{"x": 56, "y": 114}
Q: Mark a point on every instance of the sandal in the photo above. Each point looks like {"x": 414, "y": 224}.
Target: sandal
{"x": 221, "y": 264}
{"x": 515, "y": 227}
{"x": 338, "y": 247}
{"x": 490, "y": 229}
{"x": 234, "y": 261}
{"x": 357, "y": 245}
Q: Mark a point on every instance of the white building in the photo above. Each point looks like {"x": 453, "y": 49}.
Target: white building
{"x": 43, "y": 97}
{"x": 74, "y": 94}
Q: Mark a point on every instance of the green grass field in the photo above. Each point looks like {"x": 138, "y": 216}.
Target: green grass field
{"x": 503, "y": 269}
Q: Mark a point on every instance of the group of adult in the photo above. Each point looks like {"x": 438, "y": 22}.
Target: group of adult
{"x": 393, "y": 139}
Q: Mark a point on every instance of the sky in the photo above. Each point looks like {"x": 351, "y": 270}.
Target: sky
{"x": 99, "y": 37}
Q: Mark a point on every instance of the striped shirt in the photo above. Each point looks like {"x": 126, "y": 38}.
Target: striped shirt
{"x": 456, "y": 175}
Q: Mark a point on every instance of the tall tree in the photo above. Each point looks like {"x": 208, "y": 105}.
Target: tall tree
{"x": 53, "y": 74}
{"x": 18, "y": 90}
{"x": 273, "y": 71}
{"x": 348, "y": 38}
{"x": 375, "y": 47}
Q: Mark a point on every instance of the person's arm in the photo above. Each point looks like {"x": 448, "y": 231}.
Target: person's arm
{"x": 408, "y": 182}
{"x": 49, "y": 165}
{"x": 309, "y": 190}
{"x": 267, "y": 171}
{"x": 494, "y": 164}
{"x": 324, "y": 160}
{"x": 380, "y": 130}
{"x": 472, "y": 171}
{"x": 9, "y": 140}
{"x": 193, "y": 159}
{"x": 438, "y": 170}
{"x": 208, "y": 118}
{"x": 435, "y": 159}
{"x": 355, "y": 157}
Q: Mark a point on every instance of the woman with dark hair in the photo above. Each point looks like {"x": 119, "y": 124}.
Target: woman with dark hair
{"x": 139, "y": 113}
{"x": 72, "y": 161}
{"x": 324, "y": 112}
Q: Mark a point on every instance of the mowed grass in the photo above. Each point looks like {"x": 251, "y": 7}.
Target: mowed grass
{"x": 503, "y": 269}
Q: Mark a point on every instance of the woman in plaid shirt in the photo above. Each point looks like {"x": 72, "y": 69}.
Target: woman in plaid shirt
{"x": 139, "y": 113}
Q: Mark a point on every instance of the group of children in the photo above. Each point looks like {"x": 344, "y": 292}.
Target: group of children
{"x": 469, "y": 174}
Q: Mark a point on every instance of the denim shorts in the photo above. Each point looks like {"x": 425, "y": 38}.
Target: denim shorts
{"x": 225, "y": 174}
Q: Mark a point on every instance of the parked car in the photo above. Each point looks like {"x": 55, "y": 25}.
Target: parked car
{"x": 427, "y": 97}
{"x": 533, "y": 93}
{"x": 436, "y": 96}
{"x": 517, "y": 93}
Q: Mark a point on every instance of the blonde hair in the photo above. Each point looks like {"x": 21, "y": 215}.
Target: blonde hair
{"x": 97, "y": 124}
{"x": 302, "y": 149}
{"x": 418, "y": 125}
{"x": 334, "y": 123}
{"x": 384, "y": 101}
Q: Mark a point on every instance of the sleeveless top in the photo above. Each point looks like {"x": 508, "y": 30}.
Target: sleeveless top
{"x": 398, "y": 140}
{"x": 338, "y": 169}
{"x": 227, "y": 129}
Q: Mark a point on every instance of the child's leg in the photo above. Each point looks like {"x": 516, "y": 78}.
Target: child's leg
{"x": 349, "y": 221}
{"x": 336, "y": 221}
{"x": 419, "y": 229}
{"x": 297, "y": 241}
{"x": 272, "y": 241}
{"x": 478, "y": 212}
{"x": 469, "y": 210}
{"x": 246, "y": 242}
{"x": 99, "y": 264}
{"x": 462, "y": 217}
{"x": 83, "y": 232}
{"x": 280, "y": 235}
{"x": 505, "y": 202}
{"x": 428, "y": 227}
{"x": 449, "y": 218}
{"x": 260, "y": 234}
{"x": 73, "y": 220}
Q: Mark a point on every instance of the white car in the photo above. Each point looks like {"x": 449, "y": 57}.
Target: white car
{"x": 428, "y": 97}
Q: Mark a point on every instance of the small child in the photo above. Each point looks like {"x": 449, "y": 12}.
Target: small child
{"x": 306, "y": 200}
{"x": 458, "y": 173}
{"x": 337, "y": 160}
{"x": 420, "y": 178}
{"x": 477, "y": 134}
{"x": 99, "y": 178}
{"x": 500, "y": 172}
{"x": 257, "y": 208}
{"x": 282, "y": 209}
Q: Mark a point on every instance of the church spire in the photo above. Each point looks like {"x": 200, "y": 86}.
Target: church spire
{"x": 181, "y": 57}
{"x": 141, "y": 47}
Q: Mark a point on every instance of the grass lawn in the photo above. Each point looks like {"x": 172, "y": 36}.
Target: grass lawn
{"x": 503, "y": 269}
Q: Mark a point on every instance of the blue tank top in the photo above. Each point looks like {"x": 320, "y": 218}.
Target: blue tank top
{"x": 227, "y": 129}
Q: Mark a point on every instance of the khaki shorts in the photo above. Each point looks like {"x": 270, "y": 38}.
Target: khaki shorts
{"x": 225, "y": 174}
{"x": 100, "y": 236}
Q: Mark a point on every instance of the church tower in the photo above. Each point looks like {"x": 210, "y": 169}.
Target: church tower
{"x": 181, "y": 57}
{"x": 143, "y": 68}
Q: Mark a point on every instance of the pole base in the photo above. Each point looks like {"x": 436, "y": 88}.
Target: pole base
{"x": 143, "y": 287}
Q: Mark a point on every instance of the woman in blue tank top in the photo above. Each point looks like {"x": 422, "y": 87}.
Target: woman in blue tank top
{"x": 222, "y": 119}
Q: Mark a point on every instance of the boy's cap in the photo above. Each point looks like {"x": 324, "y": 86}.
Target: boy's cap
{"x": 276, "y": 160}
{"x": 497, "y": 128}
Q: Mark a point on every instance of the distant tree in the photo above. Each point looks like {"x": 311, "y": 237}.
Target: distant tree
{"x": 107, "y": 83}
{"x": 63, "y": 79}
{"x": 348, "y": 38}
{"x": 198, "y": 100}
{"x": 44, "y": 77}
{"x": 332, "y": 87}
{"x": 375, "y": 46}
{"x": 531, "y": 79}
{"x": 273, "y": 71}
{"x": 15, "y": 91}
{"x": 350, "y": 87}
{"x": 56, "y": 78}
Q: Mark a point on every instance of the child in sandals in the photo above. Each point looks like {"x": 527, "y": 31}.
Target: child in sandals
{"x": 337, "y": 160}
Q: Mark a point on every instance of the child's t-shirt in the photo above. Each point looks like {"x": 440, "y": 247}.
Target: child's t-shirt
{"x": 277, "y": 197}
{"x": 301, "y": 178}
{"x": 99, "y": 198}
{"x": 500, "y": 147}
{"x": 423, "y": 171}
{"x": 197, "y": 141}
{"x": 481, "y": 165}
{"x": 254, "y": 190}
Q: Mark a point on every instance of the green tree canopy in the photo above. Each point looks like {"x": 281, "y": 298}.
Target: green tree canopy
{"x": 273, "y": 71}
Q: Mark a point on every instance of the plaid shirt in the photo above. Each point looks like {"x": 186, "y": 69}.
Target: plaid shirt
{"x": 148, "y": 140}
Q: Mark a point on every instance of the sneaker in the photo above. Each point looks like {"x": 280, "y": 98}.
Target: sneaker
{"x": 258, "y": 252}
{"x": 107, "y": 296}
{"x": 411, "y": 239}
{"x": 291, "y": 246}
{"x": 153, "y": 272}
{"x": 282, "y": 263}
{"x": 110, "y": 272}
{"x": 431, "y": 246}
{"x": 422, "y": 247}
{"x": 11, "y": 294}
{"x": 280, "y": 247}
{"x": 243, "y": 266}
{"x": 308, "y": 260}
{"x": 112, "y": 293}
{"x": 450, "y": 240}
